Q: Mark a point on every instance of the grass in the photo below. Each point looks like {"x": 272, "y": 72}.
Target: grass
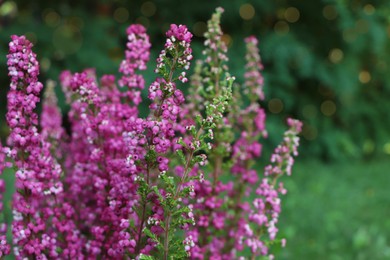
{"x": 338, "y": 211}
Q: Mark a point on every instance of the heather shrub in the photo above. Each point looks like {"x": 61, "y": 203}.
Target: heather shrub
{"x": 182, "y": 182}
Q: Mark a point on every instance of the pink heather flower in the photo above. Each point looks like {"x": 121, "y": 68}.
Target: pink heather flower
{"x": 260, "y": 120}
{"x": 267, "y": 206}
{"x": 86, "y": 87}
{"x": 23, "y": 65}
{"x": 136, "y": 57}
{"x": 5, "y": 248}
{"x": 254, "y": 80}
{"x": 282, "y": 158}
{"x": 108, "y": 89}
{"x": 138, "y": 47}
{"x": 179, "y": 32}
{"x": 216, "y": 48}
{"x": 177, "y": 45}
{"x": 65, "y": 79}
{"x": 51, "y": 117}
{"x": 283, "y": 242}
{"x": 296, "y": 125}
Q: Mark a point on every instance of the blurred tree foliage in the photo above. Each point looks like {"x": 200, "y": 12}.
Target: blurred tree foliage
{"x": 325, "y": 61}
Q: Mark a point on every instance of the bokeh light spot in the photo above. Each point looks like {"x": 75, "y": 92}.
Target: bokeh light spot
{"x": 148, "y": 9}
{"x": 347, "y": 99}
{"x": 275, "y": 105}
{"x": 121, "y": 15}
{"x": 280, "y": 13}
{"x": 328, "y": 107}
{"x": 349, "y": 35}
{"x": 329, "y": 12}
{"x": 52, "y": 18}
{"x": 382, "y": 65}
{"x": 281, "y": 27}
{"x": 336, "y": 55}
{"x": 67, "y": 39}
{"x": 227, "y": 39}
{"x": 326, "y": 92}
{"x": 8, "y": 8}
{"x": 309, "y": 132}
{"x": 386, "y": 148}
{"x": 143, "y": 20}
{"x": 45, "y": 64}
{"x": 32, "y": 37}
{"x": 388, "y": 31}
{"x": 362, "y": 26}
{"x": 164, "y": 28}
{"x": 199, "y": 28}
{"x": 59, "y": 55}
{"x": 309, "y": 111}
{"x": 247, "y": 11}
{"x": 364, "y": 76}
{"x": 369, "y": 9}
{"x": 291, "y": 14}
{"x": 76, "y": 22}
{"x": 116, "y": 53}
{"x": 368, "y": 146}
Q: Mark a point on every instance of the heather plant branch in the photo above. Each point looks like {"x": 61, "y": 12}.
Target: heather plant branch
{"x": 206, "y": 125}
{"x": 136, "y": 58}
{"x": 165, "y": 98}
{"x": 178, "y": 47}
{"x": 214, "y": 69}
{"x": 251, "y": 123}
{"x": 211, "y": 82}
{"x": 38, "y": 205}
{"x": 267, "y": 206}
{"x": 51, "y": 122}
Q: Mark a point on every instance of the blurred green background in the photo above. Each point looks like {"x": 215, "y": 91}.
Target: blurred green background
{"x": 326, "y": 63}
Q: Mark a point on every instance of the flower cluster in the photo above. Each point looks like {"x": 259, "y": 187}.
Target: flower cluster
{"x": 254, "y": 80}
{"x": 178, "y": 183}
{"x": 137, "y": 56}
